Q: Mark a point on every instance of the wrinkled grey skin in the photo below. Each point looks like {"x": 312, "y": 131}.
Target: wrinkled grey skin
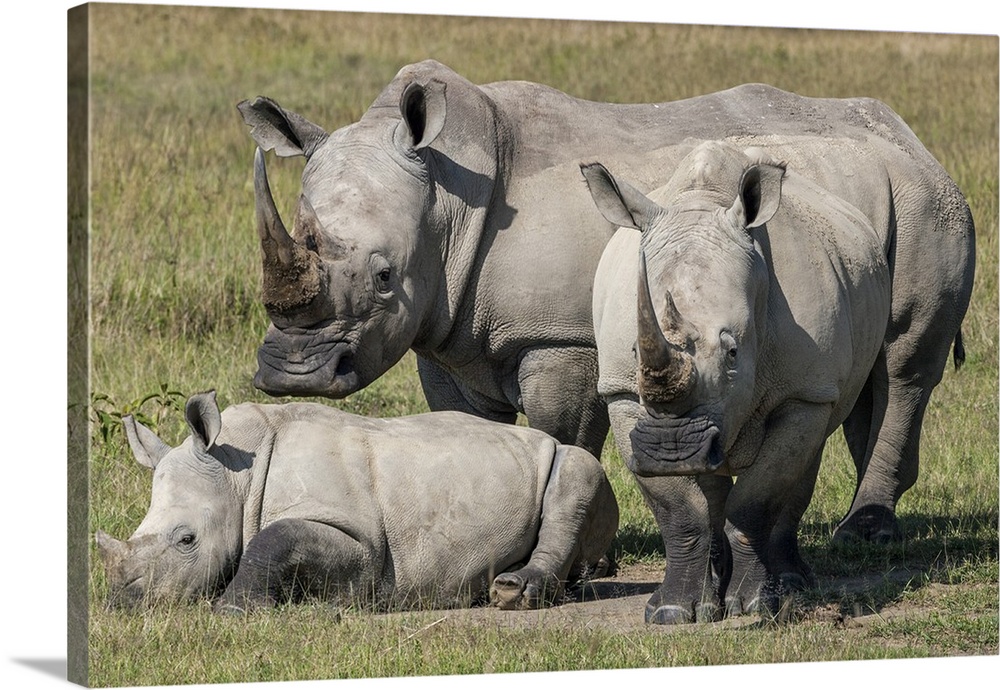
{"x": 451, "y": 220}
{"x": 266, "y": 504}
{"x": 758, "y": 304}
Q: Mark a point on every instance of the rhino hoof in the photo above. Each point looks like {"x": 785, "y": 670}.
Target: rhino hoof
{"x": 794, "y": 582}
{"x": 226, "y": 608}
{"x": 735, "y": 607}
{"x": 875, "y": 524}
{"x": 512, "y": 591}
{"x": 669, "y": 614}
{"x": 708, "y": 612}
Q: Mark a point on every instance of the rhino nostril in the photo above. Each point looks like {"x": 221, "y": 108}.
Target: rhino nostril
{"x": 345, "y": 365}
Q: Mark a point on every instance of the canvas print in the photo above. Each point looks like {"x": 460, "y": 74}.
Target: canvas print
{"x": 414, "y": 345}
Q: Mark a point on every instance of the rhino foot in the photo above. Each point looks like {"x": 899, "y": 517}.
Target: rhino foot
{"x": 523, "y": 589}
{"x": 674, "y": 614}
{"x": 873, "y": 523}
{"x": 669, "y": 614}
{"x": 767, "y": 605}
{"x": 795, "y": 582}
{"x": 226, "y": 608}
{"x": 773, "y": 606}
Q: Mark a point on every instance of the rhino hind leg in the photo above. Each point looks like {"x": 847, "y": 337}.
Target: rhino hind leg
{"x": 292, "y": 559}
{"x": 579, "y": 519}
{"x": 871, "y": 516}
{"x": 914, "y": 365}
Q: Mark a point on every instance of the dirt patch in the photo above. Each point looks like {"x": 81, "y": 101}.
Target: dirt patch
{"x": 617, "y": 604}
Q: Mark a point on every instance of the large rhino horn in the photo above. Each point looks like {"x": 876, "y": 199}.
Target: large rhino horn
{"x": 291, "y": 271}
{"x": 666, "y": 372}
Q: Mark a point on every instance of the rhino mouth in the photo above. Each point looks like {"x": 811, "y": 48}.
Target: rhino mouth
{"x": 304, "y": 364}
{"x": 128, "y": 594}
{"x": 665, "y": 445}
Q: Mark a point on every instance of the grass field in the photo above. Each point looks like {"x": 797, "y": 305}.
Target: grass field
{"x": 175, "y": 309}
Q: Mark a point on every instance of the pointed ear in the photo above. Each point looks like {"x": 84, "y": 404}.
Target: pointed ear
{"x": 146, "y": 446}
{"x": 273, "y": 127}
{"x": 423, "y": 109}
{"x": 204, "y": 419}
{"x": 759, "y": 195}
{"x": 619, "y": 203}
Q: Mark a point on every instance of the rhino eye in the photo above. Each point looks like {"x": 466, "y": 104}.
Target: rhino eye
{"x": 185, "y": 541}
{"x": 381, "y": 274}
{"x": 728, "y": 346}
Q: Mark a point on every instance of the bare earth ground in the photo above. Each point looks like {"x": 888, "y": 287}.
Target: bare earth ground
{"x": 616, "y": 603}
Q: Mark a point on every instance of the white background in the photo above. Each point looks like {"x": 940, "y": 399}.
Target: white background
{"x": 33, "y": 335}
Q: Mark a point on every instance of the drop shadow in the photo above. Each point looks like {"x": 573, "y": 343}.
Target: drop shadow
{"x": 50, "y": 667}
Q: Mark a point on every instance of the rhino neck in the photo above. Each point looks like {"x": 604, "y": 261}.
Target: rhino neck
{"x": 246, "y": 444}
{"x": 467, "y": 165}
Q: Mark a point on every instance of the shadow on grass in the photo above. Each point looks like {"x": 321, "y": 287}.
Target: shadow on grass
{"x": 858, "y": 578}
{"x": 637, "y": 543}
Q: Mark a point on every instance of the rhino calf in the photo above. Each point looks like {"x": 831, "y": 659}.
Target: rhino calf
{"x": 758, "y": 304}
{"x": 267, "y": 504}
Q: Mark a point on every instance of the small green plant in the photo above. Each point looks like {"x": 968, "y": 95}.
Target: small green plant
{"x": 108, "y": 415}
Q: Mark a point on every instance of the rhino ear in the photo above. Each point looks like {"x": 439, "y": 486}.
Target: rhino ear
{"x": 273, "y": 127}
{"x": 204, "y": 419}
{"x": 146, "y": 446}
{"x": 423, "y": 109}
{"x": 759, "y": 195}
{"x": 619, "y": 203}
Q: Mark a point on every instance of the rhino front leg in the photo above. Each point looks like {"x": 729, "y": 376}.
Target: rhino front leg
{"x": 444, "y": 392}
{"x": 793, "y": 572}
{"x": 579, "y": 519}
{"x": 291, "y": 559}
{"x": 558, "y": 394}
{"x": 689, "y": 512}
{"x": 765, "y": 506}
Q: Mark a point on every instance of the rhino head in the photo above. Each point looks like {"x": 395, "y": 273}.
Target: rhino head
{"x": 349, "y": 288}
{"x": 702, "y": 298}
{"x": 190, "y": 541}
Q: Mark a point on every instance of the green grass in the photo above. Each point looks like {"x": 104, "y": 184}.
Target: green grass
{"x": 175, "y": 304}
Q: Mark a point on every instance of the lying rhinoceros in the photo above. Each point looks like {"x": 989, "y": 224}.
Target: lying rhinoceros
{"x": 450, "y": 220}
{"x": 757, "y": 303}
{"x": 269, "y": 503}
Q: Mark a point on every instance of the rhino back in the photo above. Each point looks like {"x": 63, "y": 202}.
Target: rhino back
{"x": 843, "y": 144}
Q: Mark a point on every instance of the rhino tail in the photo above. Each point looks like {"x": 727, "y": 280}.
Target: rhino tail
{"x": 958, "y": 353}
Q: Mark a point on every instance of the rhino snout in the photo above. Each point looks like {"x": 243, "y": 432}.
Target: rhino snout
{"x": 667, "y": 445}
{"x": 299, "y": 366}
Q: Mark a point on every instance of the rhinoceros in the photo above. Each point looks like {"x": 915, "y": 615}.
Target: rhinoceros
{"x": 450, "y": 220}
{"x": 273, "y": 503}
{"x": 757, "y": 303}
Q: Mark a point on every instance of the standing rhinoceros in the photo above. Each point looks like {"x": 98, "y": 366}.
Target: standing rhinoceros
{"x": 758, "y": 303}
{"x": 450, "y": 220}
{"x": 267, "y": 503}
